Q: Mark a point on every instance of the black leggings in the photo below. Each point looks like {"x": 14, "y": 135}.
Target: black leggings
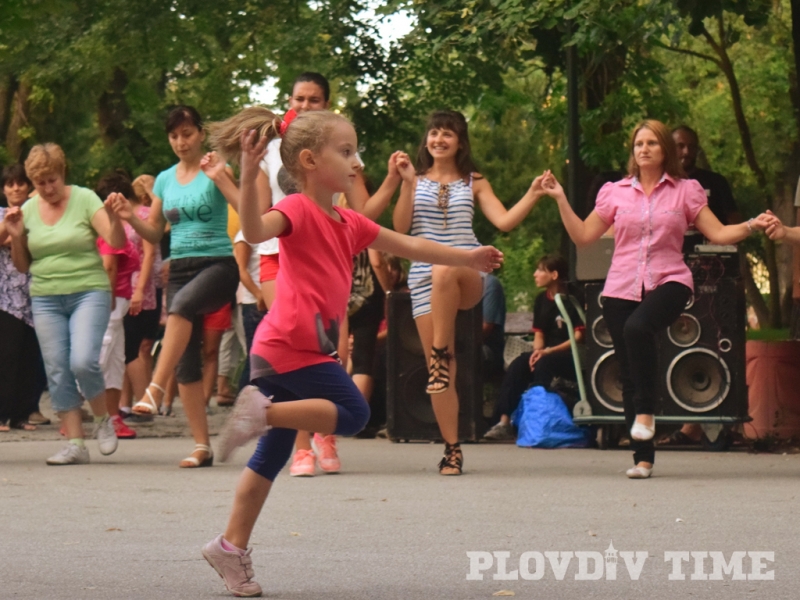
{"x": 519, "y": 378}
{"x": 633, "y": 327}
{"x": 22, "y": 379}
{"x": 364, "y": 325}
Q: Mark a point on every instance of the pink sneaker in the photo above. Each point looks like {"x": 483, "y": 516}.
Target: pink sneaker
{"x": 235, "y": 569}
{"x": 303, "y": 464}
{"x": 326, "y": 448}
{"x": 248, "y": 421}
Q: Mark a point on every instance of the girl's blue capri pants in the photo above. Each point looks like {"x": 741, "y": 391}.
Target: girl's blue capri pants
{"x": 328, "y": 381}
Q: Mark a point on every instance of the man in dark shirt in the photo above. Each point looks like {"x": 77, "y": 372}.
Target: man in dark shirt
{"x": 718, "y": 191}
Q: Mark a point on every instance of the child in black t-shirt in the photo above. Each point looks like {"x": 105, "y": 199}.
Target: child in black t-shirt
{"x": 551, "y": 356}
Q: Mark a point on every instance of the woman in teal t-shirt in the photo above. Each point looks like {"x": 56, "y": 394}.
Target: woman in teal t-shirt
{"x": 54, "y": 236}
{"x": 203, "y": 275}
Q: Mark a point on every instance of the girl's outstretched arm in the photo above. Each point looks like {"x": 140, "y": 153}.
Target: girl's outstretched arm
{"x": 506, "y": 220}
{"x": 255, "y": 226}
{"x": 484, "y": 258}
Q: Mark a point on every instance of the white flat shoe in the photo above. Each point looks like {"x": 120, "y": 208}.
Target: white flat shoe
{"x": 643, "y": 433}
{"x": 638, "y": 472}
{"x": 192, "y": 462}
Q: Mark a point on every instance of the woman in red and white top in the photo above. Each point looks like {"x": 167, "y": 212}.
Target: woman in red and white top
{"x": 648, "y": 284}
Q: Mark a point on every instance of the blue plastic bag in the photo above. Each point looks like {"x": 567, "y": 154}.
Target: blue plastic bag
{"x": 543, "y": 421}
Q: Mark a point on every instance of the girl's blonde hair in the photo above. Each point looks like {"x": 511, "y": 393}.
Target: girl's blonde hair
{"x": 45, "y": 159}
{"x": 309, "y": 131}
{"x": 225, "y": 136}
{"x": 140, "y": 185}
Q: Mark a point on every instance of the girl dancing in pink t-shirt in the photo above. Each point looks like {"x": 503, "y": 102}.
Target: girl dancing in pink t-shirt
{"x": 300, "y": 383}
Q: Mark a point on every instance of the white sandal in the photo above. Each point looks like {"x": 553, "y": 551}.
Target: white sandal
{"x": 643, "y": 433}
{"x": 192, "y": 462}
{"x": 148, "y": 406}
{"x": 638, "y": 472}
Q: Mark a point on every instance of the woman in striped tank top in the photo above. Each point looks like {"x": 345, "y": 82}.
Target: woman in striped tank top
{"x": 437, "y": 203}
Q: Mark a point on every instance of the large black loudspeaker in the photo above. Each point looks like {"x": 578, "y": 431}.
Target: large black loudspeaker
{"x": 601, "y": 372}
{"x": 701, "y": 357}
{"x": 409, "y": 414}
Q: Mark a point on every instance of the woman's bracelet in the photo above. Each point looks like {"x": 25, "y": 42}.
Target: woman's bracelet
{"x": 750, "y": 225}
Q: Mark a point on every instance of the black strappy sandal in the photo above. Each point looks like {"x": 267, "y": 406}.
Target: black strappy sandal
{"x": 439, "y": 371}
{"x": 453, "y": 460}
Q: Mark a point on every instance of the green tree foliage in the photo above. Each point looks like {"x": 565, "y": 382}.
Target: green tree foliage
{"x": 727, "y": 74}
{"x": 98, "y": 76}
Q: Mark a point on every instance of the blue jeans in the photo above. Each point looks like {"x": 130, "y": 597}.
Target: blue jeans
{"x": 70, "y": 329}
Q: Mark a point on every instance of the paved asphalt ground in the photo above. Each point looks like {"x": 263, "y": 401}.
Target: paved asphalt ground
{"x": 131, "y": 525}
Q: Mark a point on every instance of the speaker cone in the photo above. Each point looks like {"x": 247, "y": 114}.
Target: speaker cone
{"x": 606, "y": 382}
{"x": 600, "y": 333}
{"x": 411, "y": 388}
{"x": 698, "y": 380}
{"x": 407, "y": 333}
{"x": 685, "y": 331}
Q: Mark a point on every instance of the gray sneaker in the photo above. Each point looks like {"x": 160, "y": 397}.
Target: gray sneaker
{"x": 106, "y": 436}
{"x": 71, "y": 454}
{"x": 500, "y": 433}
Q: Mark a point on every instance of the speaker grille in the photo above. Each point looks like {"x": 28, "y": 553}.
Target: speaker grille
{"x": 698, "y": 380}
{"x": 416, "y": 404}
{"x": 606, "y": 383}
{"x": 685, "y": 331}
{"x": 600, "y": 333}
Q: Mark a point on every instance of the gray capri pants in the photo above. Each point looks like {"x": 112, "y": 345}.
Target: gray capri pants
{"x": 198, "y": 287}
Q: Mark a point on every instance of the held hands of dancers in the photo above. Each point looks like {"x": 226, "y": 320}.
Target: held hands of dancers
{"x": 405, "y": 168}
{"x": 119, "y": 205}
{"x": 395, "y": 159}
{"x": 538, "y": 185}
{"x": 13, "y": 222}
{"x": 763, "y": 222}
{"x": 212, "y": 165}
{"x": 774, "y": 227}
{"x": 551, "y": 187}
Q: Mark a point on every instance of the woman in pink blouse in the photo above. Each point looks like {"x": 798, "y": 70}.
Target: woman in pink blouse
{"x": 648, "y": 284}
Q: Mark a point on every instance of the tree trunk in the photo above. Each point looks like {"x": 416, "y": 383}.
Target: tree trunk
{"x": 7, "y": 88}
{"x": 796, "y": 51}
{"x": 747, "y": 145}
{"x": 19, "y": 118}
{"x": 112, "y": 108}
